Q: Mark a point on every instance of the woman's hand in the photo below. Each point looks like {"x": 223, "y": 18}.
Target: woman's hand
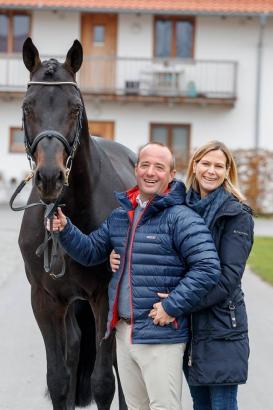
{"x": 114, "y": 260}
{"x": 153, "y": 312}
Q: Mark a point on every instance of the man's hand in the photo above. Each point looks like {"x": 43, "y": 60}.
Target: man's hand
{"x": 159, "y": 316}
{"x": 58, "y": 222}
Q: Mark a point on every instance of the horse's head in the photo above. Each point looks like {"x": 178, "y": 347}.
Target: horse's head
{"x": 52, "y": 112}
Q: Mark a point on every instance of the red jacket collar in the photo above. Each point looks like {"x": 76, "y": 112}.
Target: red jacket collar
{"x": 133, "y": 193}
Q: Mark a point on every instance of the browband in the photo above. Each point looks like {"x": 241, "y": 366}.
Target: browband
{"x": 52, "y": 83}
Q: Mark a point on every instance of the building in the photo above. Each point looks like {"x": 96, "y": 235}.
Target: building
{"x": 179, "y": 72}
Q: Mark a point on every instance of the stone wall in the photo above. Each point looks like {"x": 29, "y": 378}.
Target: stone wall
{"x": 255, "y": 170}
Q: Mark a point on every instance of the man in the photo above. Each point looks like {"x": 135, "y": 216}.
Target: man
{"x": 164, "y": 247}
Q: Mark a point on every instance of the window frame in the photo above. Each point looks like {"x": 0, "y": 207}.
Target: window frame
{"x": 15, "y": 148}
{"x": 170, "y": 127}
{"x": 10, "y": 15}
{"x": 175, "y": 19}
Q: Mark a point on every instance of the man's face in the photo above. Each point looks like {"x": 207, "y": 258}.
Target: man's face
{"x": 153, "y": 171}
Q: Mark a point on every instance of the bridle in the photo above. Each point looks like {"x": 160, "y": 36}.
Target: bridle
{"x": 70, "y": 149}
{"x": 50, "y": 209}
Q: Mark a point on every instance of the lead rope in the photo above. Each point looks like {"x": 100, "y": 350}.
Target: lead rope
{"x": 56, "y": 250}
{"x": 18, "y": 190}
{"x": 50, "y": 262}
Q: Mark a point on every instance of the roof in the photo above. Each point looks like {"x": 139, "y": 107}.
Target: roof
{"x": 237, "y": 7}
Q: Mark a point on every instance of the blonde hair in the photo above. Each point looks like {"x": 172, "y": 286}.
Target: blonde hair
{"x": 230, "y": 183}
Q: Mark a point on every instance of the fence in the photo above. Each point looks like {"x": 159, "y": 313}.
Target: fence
{"x": 139, "y": 76}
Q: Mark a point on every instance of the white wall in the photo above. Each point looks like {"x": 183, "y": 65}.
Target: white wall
{"x": 11, "y": 164}
{"x": 266, "y": 129}
{"x": 54, "y": 32}
{"x": 236, "y": 38}
{"x": 135, "y": 35}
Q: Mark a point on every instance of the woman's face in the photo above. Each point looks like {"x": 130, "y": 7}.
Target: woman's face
{"x": 210, "y": 171}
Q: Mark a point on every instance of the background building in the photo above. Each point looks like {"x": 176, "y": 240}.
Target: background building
{"x": 179, "y": 72}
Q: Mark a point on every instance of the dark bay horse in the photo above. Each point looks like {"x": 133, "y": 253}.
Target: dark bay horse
{"x": 71, "y": 311}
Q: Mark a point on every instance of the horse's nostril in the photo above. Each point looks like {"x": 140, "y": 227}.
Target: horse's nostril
{"x": 61, "y": 176}
{"x": 38, "y": 177}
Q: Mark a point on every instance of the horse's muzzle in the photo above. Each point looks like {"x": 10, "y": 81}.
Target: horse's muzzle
{"x": 49, "y": 183}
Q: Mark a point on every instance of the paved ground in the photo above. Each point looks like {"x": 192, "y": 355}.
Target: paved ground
{"x": 263, "y": 227}
{"x": 22, "y": 356}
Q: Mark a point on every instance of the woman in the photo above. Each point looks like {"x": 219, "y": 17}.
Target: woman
{"x": 216, "y": 360}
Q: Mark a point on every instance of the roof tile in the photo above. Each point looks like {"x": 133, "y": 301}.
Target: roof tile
{"x": 182, "y": 6}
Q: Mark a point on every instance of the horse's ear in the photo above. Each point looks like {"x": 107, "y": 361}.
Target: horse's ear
{"x": 30, "y": 55}
{"x": 74, "y": 57}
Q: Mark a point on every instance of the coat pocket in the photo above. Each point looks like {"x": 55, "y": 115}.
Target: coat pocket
{"x": 229, "y": 316}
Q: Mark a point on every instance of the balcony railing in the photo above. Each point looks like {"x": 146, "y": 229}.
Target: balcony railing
{"x": 210, "y": 79}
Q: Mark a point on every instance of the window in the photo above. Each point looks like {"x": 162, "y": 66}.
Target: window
{"x": 177, "y": 138}
{"x": 16, "y": 140}
{"x": 98, "y": 35}
{"x": 174, "y": 37}
{"x": 104, "y": 129}
{"x": 14, "y": 29}
{"x": 3, "y": 33}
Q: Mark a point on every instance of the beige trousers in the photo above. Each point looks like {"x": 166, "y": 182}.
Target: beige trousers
{"x": 150, "y": 374}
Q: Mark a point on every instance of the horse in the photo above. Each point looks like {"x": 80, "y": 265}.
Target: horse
{"x": 71, "y": 168}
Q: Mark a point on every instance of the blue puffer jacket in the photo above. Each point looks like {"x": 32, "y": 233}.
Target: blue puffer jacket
{"x": 172, "y": 252}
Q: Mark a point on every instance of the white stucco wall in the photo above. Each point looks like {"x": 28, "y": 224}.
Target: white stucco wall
{"x": 266, "y": 129}
{"x": 236, "y": 38}
{"x": 135, "y": 35}
{"x": 12, "y": 165}
{"x": 54, "y": 32}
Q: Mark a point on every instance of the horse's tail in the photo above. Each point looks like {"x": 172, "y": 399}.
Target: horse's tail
{"x": 86, "y": 322}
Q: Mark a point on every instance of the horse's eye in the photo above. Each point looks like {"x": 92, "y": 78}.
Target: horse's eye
{"x": 76, "y": 111}
{"x": 26, "y": 109}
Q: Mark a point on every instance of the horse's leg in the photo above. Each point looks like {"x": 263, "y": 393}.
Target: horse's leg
{"x": 73, "y": 339}
{"x": 50, "y": 316}
{"x": 86, "y": 323}
{"x": 103, "y": 380}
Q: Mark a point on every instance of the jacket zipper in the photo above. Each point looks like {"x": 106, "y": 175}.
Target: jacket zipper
{"x": 129, "y": 267}
{"x": 120, "y": 277}
{"x": 232, "y": 307}
{"x": 190, "y": 361}
{"x": 129, "y": 270}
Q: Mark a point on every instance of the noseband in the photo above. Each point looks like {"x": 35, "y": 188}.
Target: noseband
{"x": 50, "y": 208}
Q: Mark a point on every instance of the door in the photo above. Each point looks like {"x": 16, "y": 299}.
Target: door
{"x": 104, "y": 129}
{"x": 99, "y": 40}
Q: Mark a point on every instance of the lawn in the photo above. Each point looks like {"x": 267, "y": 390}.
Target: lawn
{"x": 261, "y": 258}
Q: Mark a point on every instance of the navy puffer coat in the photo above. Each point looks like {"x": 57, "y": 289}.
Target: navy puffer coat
{"x": 219, "y": 349}
{"x": 172, "y": 252}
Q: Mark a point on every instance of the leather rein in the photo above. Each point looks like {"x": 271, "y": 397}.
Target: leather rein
{"x": 50, "y": 209}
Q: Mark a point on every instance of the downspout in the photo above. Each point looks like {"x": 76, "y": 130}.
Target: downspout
{"x": 260, "y": 45}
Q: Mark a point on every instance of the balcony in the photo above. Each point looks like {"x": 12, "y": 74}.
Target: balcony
{"x": 141, "y": 79}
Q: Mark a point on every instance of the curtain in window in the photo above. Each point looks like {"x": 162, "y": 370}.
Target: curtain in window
{"x": 3, "y": 33}
{"x": 176, "y": 137}
{"x": 184, "y": 34}
{"x": 160, "y": 134}
{"x": 20, "y": 31}
{"x": 180, "y": 146}
{"x": 163, "y": 38}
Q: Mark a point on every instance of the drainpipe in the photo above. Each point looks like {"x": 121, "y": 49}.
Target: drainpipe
{"x": 263, "y": 19}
